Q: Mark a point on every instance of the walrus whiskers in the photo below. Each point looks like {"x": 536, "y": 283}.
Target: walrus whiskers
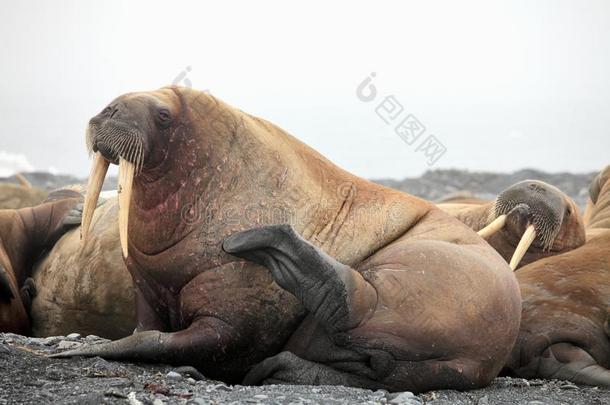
{"x": 526, "y": 240}
{"x": 94, "y": 188}
{"x": 127, "y": 146}
{"x": 493, "y": 227}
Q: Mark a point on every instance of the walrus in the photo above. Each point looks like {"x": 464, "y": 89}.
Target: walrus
{"x": 595, "y": 216}
{"x": 24, "y": 235}
{"x": 526, "y": 222}
{"x": 565, "y": 329}
{"x": 15, "y": 196}
{"x": 252, "y": 253}
{"x": 85, "y": 288}
{"x": 462, "y": 197}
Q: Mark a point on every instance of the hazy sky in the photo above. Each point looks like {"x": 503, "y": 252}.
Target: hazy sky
{"x": 502, "y": 85}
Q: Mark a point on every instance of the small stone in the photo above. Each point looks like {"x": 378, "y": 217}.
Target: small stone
{"x": 406, "y": 398}
{"x": 172, "y": 375}
{"x": 133, "y": 400}
{"x": 73, "y": 336}
{"x": 51, "y": 340}
{"x": 67, "y": 344}
{"x": 190, "y": 371}
{"x": 198, "y": 401}
{"x": 568, "y": 386}
{"x": 36, "y": 341}
{"x": 158, "y": 401}
{"x": 261, "y": 396}
{"x": 483, "y": 400}
{"x": 536, "y": 382}
{"x": 220, "y": 387}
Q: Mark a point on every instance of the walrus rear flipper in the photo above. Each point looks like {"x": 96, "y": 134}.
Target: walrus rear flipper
{"x": 564, "y": 361}
{"x": 288, "y": 368}
{"x": 338, "y": 296}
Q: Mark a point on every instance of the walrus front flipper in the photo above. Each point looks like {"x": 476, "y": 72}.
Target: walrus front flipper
{"x": 338, "y": 296}
{"x": 564, "y": 361}
{"x": 28, "y": 293}
{"x": 204, "y": 338}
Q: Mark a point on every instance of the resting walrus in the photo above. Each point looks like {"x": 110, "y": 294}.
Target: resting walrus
{"x": 565, "y": 330}
{"x": 15, "y": 196}
{"x": 24, "y": 234}
{"x": 85, "y": 289}
{"x": 384, "y": 288}
{"x": 528, "y": 221}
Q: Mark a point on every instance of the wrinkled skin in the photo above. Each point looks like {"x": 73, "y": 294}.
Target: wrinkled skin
{"x": 596, "y": 217}
{"x": 13, "y": 196}
{"x": 24, "y": 235}
{"x": 564, "y": 330}
{"x": 415, "y": 300}
{"x": 524, "y": 202}
{"x": 85, "y": 289}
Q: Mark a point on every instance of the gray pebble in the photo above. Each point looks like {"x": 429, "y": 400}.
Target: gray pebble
{"x": 67, "y": 344}
{"x": 73, "y": 336}
{"x": 172, "y": 375}
{"x": 51, "y": 340}
{"x": 198, "y": 401}
{"x": 407, "y": 398}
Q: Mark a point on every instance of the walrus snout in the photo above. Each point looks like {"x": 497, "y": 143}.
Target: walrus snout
{"x": 543, "y": 205}
{"x": 131, "y": 131}
{"x": 518, "y": 219}
{"x": 532, "y": 213}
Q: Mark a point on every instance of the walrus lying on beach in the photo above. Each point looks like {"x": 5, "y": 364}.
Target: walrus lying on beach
{"x": 565, "y": 329}
{"x": 373, "y": 288}
{"x": 85, "y": 288}
{"x": 528, "y": 221}
{"x": 24, "y": 235}
{"x": 16, "y": 196}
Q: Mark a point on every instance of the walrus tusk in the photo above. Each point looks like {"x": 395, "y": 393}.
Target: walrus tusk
{"x": 94, "y": 187}
{"x": 493, "y": 227}
{"x": 23, "y": 181}
{"x": 526, "y": 240}
{"x": 126, "y": 173}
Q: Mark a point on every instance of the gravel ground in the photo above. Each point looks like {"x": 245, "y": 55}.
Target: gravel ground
{"x": 27, "y": 376}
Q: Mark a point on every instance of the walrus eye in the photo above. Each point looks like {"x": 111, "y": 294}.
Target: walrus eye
{"x": 164, "y": 116}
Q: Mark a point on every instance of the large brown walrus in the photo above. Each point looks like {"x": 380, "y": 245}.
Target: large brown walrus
{"x": 565, "y": 329}
{"x": 24, "y": 235}
{"x": 85, "y": 288}
{"x": 528, "y": 221}
{"x": 373, "y": 287}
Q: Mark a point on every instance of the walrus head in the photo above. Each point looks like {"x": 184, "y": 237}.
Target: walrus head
{"x": 133, "y": 131}
{"x": 537, "y": 216}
